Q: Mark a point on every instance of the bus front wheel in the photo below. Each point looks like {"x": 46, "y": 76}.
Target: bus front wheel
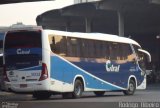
{"x": 131, "y": 89}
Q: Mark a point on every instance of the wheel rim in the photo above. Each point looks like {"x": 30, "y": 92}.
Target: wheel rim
{"x": 131, "y": 87}
{"x": 78, "y": 90}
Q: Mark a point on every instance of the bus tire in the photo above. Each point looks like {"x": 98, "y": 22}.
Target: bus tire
{"x": 78, "y": 89}
{"x": 131, "y": 88}
{"x": 99, "y": 93}
{"x": 41, "y": 95}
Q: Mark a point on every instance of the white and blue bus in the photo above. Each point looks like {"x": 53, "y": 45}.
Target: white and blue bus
{"x": 45, "y": 62}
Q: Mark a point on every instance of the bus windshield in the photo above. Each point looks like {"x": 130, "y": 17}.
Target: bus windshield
{"x": 22, "y": 49}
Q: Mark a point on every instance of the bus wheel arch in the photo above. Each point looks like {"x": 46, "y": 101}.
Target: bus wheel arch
{"x": 131, "y": 86}
{"x": 81, "y": 78}
{"x": 79, "y": 86}
{"x": 132, "y": 77}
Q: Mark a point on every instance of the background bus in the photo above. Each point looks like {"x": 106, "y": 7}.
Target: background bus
{"x": 1, "y": 61}
{"x": 43, "y": 62}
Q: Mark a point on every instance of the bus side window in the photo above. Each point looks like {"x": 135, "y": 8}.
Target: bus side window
{"x": 98, "y": 49}
{"x": 63, "y": 46}
{"x": 91, "y": 49}
{"x": 58, "y": 44}
{"x": 74, "y": 45}
{"x": 114, "y": 51}
{"x": 106, "y": 50}
{"x": 69, "y": 47}
{"x": 53, "y": 45}
{"x": 127, "y": 53}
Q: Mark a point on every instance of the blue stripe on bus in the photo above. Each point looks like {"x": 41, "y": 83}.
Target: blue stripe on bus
{"x": 65, "y": 72}
{"x": 120, "y": 78}
{"x": 99, "y": 69}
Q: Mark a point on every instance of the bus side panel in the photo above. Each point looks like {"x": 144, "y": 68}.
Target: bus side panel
{"x": 61, "y": 76}
{"x": 65, "y": 72}
{"x": 118, "y": 76}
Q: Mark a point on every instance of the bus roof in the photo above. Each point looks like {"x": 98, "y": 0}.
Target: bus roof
{"x": 19, "y": 27}
{"x": 96, "y": 36}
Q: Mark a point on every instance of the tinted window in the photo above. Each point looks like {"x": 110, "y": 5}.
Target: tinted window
{"x": 23, "y": 49}
{"x": 120, "y": 51}
{"x": 26, "y": 39}
{"x": 86, "y": 48}
{"x": 76, "y": 47}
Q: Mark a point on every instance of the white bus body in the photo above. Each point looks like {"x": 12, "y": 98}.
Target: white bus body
{"x": 43, "y": 62}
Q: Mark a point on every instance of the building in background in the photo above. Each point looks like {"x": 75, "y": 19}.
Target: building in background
{"x": 26, "y": 11}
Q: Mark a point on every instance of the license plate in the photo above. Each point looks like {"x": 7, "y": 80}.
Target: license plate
{"x": 23, "y": 85}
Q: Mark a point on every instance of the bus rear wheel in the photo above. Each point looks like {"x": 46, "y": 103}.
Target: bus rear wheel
{"x": 78, "y": 89}
{"x": 77, "y": 93}
{"x": 131, "y": 88}
{"x": 99, "y": 93}
{"x": 41, "y": 95}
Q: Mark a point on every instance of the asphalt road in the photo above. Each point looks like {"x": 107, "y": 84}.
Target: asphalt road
{"x": 110, "y": 99}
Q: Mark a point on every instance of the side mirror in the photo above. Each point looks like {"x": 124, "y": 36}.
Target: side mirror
{"x": 147, "y": 53}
